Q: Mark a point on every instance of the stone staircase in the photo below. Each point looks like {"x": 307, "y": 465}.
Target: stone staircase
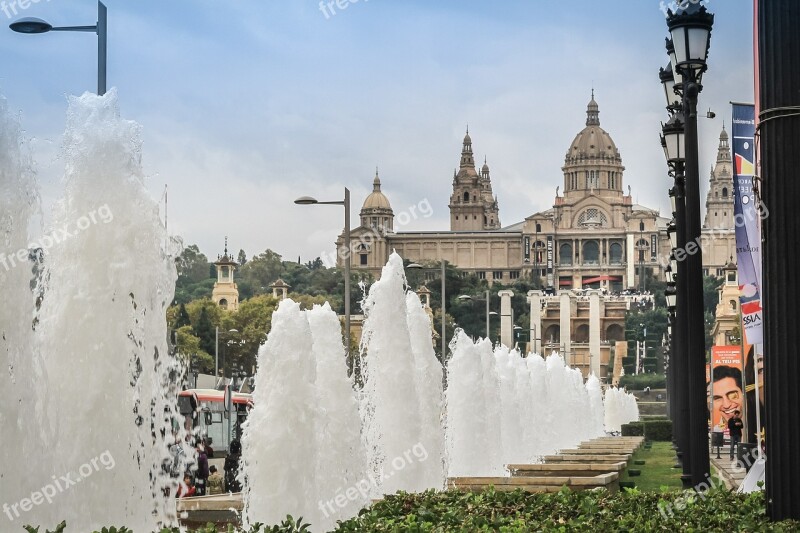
{"x": 593, "y": 464}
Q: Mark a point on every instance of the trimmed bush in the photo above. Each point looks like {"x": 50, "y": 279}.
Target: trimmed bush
{"x": 640, "y": 381}
{"x": 660, "y": 430}
{"x": 633, "y": 429}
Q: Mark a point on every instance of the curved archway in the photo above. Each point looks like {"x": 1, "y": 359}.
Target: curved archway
{"x": 591, "y": 253}
{"x": 582, "y": 333}
{"x": 552, "y": 334}
{"x": 616, "y": 253}
{"x": 615, "y": 333}
{"x": 565, "y": 254}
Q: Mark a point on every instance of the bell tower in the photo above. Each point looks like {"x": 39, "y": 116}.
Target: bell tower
{"x": 473, "y": 206}
{"x": 226, "y": 293}
{"x": 719, "y": 201}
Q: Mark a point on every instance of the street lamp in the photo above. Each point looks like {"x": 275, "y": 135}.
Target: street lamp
{"x": 32, "y": 26}
{"x": 216, "y": 350}
{"x": 690, "y": 30}
{"x": 308, "y": 200}
{"x": 444, "y": 306}
{"x": 466, "y": 297}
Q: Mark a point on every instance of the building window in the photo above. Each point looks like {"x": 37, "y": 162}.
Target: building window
{"x": 593, "y": 218}
{"x": 363, "y": 259}
{"x": 591, "y": 253}
{"x": 724, "y": 192}
{"x": 538, "y": 228}
{"x": 705, "y": 272}
{"x": 481, "y": 275}
{"x": 616, "y": 253}
{"x": 565, "y": 254}
{"x": 514, "y": 274}
{"x": 719, "y": 272}
{"x": 466, "y": 197}
{"x": 641, "y": 225}
{"x": 497, "y": 274}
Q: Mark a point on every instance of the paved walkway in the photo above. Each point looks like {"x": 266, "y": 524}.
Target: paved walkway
{"x": 730, "y": 471}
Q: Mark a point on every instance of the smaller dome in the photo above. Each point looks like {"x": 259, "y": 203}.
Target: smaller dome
{"x": 376, "y": 200}
{"x": 724, "y": 135}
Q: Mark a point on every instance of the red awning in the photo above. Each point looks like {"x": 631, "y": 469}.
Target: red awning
{"x": 602, "y": 278}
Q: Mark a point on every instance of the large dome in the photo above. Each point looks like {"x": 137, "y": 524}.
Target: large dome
{"x": 593, "y": 142}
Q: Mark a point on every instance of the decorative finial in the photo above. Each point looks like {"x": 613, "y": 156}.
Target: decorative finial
{"x": 226, "y": 245}
{"x": 592, "y": 90}
{"x": 467, "y": 128}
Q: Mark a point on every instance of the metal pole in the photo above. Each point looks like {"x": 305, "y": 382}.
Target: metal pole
{"x": 487, "y": 313}
{"x": 681, "y": 340}
{"x": 102, "y": 47}
{"x": 216, "y": 354}
{"x": 347, "y": 272}
{"x": 698, "y": 423}
{"x": 444, "y": 314}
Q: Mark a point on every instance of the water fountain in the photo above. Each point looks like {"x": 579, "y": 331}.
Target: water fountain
{"x": 620, "y": 408}
{"x": 88, "y": 384}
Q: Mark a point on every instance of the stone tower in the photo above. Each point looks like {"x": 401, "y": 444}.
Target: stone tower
{"x": 719, "y": 201}
{"x": 473, "y": 207}
{"x": 226, "y": 293}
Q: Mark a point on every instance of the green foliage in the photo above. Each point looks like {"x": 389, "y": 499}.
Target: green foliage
{"x": 182, "y": 318}
{"x": 639, "y": 382}
{"x": 658, "y": 430}
{"x": 633, "y": 429}
{"x": 205, "y": 331}
{"x": 59, "y": 528}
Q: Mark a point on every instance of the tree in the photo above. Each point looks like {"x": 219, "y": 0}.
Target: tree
{"x": 188, "y": 347}
{"x": 192, "y": 265}
{"x": 182, "y": 319}
{"x": 241, "y": 258}
{"x": 261, "y": 271}
{"x": 205, "y": 331}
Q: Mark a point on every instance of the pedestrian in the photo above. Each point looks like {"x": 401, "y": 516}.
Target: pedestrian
{"x": 201, "y": 476}
{"x": 186, "y": 489}
{"x": 216, "y": 484}
{"x": 735, "y": 426}
{"x": 232, "y": 467}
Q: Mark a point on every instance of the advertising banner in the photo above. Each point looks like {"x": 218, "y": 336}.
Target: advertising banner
{"x": 725, "y": 385}
{"x": 549, "y": 261}
{"x": 746, "y": 216}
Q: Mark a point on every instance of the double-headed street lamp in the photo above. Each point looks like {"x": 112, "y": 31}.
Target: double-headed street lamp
{"x": 465, "y": 297}
{"x": 32, "y": 25}
{"x": 308, "y": 200}
{"x": 690, "y": 31}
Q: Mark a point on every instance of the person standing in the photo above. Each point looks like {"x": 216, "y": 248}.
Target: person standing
{"x": 735, "y": 426}
{"x": 216, "y": 483}
{"x": 201, "y": 476}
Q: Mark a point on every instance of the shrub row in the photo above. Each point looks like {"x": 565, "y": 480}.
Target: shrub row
{"x": 640, "y": 381}
{"x": 660, "y": 430}
{"x": 518, "y": 511}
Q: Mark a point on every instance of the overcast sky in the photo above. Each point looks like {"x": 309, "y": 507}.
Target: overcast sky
{"x": 248, "y": 104}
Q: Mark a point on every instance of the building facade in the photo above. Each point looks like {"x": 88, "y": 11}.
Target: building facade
{"x": 226, "y": 292}
{"x": 593, "y": 237}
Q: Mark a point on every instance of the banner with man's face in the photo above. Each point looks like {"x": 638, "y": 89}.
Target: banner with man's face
{"x": 725, "y": 385}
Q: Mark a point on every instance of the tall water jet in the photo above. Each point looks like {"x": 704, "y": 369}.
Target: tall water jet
{"x": 474, "y": 442}
{"x": 428, "y": 373}
{"x": 620, "y": 408}
{"x": 20, "y": 364}
{"x": 108, "y": 382}
{"x": 596, "y": 425}
{"x": 279, "y": 443}
{"x": 391, "y": 409}
{"x": 341, "y": 458}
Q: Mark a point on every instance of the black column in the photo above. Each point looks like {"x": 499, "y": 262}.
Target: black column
{"x": 696, "y": 332}
{"x": 681, "y": 338}
{"x": 779, "y": 85}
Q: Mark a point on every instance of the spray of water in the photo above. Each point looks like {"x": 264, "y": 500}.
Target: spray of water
{"x": 107, "y": 382}
{"x": 620, "y": 408}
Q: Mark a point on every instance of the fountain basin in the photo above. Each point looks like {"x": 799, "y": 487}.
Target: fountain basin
{"x": 219, "y": 509}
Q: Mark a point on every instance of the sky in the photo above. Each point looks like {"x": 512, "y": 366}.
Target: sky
{"x": 248, "y": 104}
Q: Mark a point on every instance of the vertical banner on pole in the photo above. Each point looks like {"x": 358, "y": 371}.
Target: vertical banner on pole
{"x": 725, "y": 385}
{"x": 550, "y": 261}
{"x": 746, "y": 216}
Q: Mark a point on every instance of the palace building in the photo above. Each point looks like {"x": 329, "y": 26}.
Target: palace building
{"x": 593, "y": 237}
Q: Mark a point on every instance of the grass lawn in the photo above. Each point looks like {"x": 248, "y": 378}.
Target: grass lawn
{"x": 657, "y": 471}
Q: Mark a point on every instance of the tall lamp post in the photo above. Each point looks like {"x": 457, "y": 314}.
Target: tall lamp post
{"x": 308, "y": 200}
{"x": 216, "y": 350}
{"x": 465, "y": 297}
{"x": 32, "y": 25}
{"x": 690, "y": 31}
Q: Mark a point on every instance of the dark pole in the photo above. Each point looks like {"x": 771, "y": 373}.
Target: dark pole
{"x": 696, "y": 349}
{"x": 779, "y": 87}
{"x": 680, "y": 331}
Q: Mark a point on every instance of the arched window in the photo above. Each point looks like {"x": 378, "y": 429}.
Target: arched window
{"x": 466, "y": 197}
{"x": 565, "y": 254}
{"x": 552, "y": 334}
{"x": 724, "y": 192}
{"x": 615, "y": 333}
{"x": 582, "y": 333}
{"x": 538, "y": 228}
{"x": 733, "y": 305}
{"x": 591, "y": 253}
{"x": 616, "y": 253}
{"x": 641, "y": 225}
{"x": 223, "y": 303}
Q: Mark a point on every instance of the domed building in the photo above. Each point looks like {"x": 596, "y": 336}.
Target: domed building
{"x": 593, "y": 237}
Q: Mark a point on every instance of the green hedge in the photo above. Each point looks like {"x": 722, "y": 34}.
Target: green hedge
{"x": 660, "y": 430}
{"x": 589, "y": 511}
{"x": 640, "y": 381}
{"x": 633, "y": 429}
